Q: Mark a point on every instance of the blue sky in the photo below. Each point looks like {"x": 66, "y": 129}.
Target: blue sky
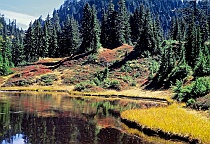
{"x": 25, "y": 11}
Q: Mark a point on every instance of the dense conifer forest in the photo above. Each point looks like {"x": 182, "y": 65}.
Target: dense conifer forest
{"x": 174, "y": 33}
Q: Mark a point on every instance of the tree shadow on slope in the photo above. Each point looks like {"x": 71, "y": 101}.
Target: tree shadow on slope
{"x": 155, "y": 84}
{"x": 131, "y": 56}
{"x": 76, "y": 57}
{"x": 56, "y": 64}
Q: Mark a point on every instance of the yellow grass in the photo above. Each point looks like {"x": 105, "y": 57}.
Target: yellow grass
{"x": 135, "y": 92}
{"x": 38, "y": 88}
{"x": 173, "y": 119}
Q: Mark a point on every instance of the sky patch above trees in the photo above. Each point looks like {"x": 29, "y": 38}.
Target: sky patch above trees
{"x": 25, "y": 11}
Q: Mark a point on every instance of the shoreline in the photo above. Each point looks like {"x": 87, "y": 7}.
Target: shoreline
{"x": 86, "y": 94}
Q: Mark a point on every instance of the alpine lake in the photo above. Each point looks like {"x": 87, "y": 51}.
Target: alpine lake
{"x": 57, "y": 118}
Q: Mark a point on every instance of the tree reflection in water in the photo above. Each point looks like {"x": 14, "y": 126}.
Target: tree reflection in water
{"x": 29, "y": 118}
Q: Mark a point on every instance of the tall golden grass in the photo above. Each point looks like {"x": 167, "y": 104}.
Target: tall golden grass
{"x": 174, "y": 119}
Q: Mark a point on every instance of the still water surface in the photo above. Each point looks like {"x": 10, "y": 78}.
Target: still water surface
{"x": 59, "y": 119}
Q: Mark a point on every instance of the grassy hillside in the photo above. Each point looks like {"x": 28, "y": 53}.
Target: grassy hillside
{"x": 86, "y": 72}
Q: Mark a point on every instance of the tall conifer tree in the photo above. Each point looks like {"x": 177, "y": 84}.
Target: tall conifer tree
{"x": 146, "y": 43}
{"x": 95, "y": 31}
{"x": 37, "y": 39}
{"x": 54, "y": 49}
{"x": 114, "y": 36}
{"x": 190, "y": 45}
{"x": 29, "y": 46}
{"x": 104, "y": 30}
{"x": 90, "y": 30}
{"x": 86, "y": 28}
{"x": 124, "y": 25}
{"x": 45, "y": 40}
{"x": 71, "y": 36}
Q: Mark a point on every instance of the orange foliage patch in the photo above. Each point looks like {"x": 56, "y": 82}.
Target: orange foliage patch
{"x": 111, "y": 55}
{"x": 34, "y": 70}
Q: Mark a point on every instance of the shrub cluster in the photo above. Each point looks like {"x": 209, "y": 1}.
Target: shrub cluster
{"x": 19, "y": 82}
{"x": 199, "y": 88}
{"x": 84, "y": 86}
{"x": 100, "y": 79}
{"x": 129, "y": 66}
{"x": 67, "y": 80}
{"x": 47, "y": 79}
{"x": 23, "y": 82}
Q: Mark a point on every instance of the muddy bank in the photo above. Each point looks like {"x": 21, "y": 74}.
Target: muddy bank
{"x": 160, "y": 133}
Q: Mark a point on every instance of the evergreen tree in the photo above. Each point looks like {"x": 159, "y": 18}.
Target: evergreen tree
{"x": 53, "y": 49}
{"x": 5, "y": 48}
{"x": 181, "y": 70}
{"x": 104, "y": 31}
{"x": 37, "y": 39}
{"x": 86, "y": 28}
{"x": 109, "y": 29}
{"x": 1, "y": 56}
{"x": 56, "y": 24}
{"x": 95, "y": 32}
{"x": 56, "y": 21}
{"x": 202, "y": 67}
{"x": 49, "y": 36}
{"x": 167, "y": 64}
{"x": 64, "y": 37}
{"x": 137, "y": 23}
{"x": 45, "y": 41}
{"x": 175, "y": 29}
{"x": 124, "y": 25}
{"x": 71, "y": 36}
{"x": 114, "y": 37}
{"x": 204, "y": 28}
{"x": 183, "y": 27}
{"x": 75, "y": 36}
{"x": 122, "y": 14}
{"x": 18, "y": 55}
{"x": 6, "y": 55}
{"x": 191, "y": 43}
{"x": 146, "y": 42}
{"x": 89, "y": 30}
{"x": 29, "y": 46}
{"x": 158, "y": 35}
